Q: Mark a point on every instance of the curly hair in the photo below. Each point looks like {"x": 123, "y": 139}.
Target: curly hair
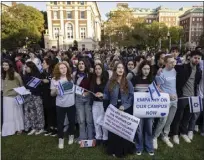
{"x": 10, "y": 71}
{"x": 114, "y": 78}
{"x": 57, "y": 74}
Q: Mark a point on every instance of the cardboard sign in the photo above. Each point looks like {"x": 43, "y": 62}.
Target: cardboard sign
{"x": 120, "y": 123}
{"x": 87, "y": 143}
{"x": 146, "y": 107}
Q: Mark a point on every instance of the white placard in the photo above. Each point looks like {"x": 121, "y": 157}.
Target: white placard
{"x": 22, "y": 90}
{"x": 121, "y": 123}
{"x": 146, "y": 107}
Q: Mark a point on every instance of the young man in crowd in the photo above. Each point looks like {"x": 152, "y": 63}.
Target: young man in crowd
{"x": 187, "y": 80}
{"x": 175, "y": 53}
{"x": 166, "y": 82}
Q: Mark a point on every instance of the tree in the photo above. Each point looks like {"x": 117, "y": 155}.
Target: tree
{"x": 18, "y": 22}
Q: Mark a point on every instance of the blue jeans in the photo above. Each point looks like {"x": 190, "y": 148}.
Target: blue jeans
{"x": 84, "y": 116}
{"x": 144, "y": 131}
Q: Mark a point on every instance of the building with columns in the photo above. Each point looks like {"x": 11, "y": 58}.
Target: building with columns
{"x": 71, "y": 20}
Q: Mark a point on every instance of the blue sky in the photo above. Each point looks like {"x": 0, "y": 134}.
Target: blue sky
{"x": 105, "y": 7}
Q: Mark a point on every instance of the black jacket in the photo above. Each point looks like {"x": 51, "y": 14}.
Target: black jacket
{"x": 182, "y": 76}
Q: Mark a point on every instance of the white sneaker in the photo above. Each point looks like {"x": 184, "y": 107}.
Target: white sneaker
{"x": 190, "y": 135}
{"x": 196, "y": 128}
{"x": 176, "y": 139}
{"x": 185, "y": 137}
{"x": 71, "y": 139}
{"x": 167, "y": 141}
{"x": 31, "y": 132}
{"x": 61, "y": 143}
{"x": 39, "y": 132}
{"x": 155, "y": 144}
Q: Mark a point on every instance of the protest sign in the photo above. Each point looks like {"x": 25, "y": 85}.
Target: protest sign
{"x": 120, "y": 123}
{"x": 195, "y": 104}
{"x": 87, "y": 143}
{"x": 146, "y": 107}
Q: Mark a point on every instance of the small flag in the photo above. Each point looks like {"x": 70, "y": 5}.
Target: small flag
{"x": 19, "y": 100}
{"x": 195, "y": 104}
{"x": 154, "y": 93}
{"x": 34, "y": 82}
{"x": 79, "y": 90}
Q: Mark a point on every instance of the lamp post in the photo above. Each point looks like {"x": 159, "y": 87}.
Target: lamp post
{"x": 169, "y": 37}
{"x": 26, "y": 40}
{"x": 58, "y": 40}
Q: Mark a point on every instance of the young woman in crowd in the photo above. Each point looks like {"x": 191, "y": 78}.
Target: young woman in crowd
{"x": 62, "y": 86}
{"x": 12, "y": 112}
{"x": 119, "y": 92}
{"x": 144, "y": 138}
{"x": 130, "y": 66}
{"x": 82, "y": 79}
{"x": 48, "y": 100}
{"x": 33, "y": 107}
{"x": 98, "y": 83}
{"x": 33, "y": 58}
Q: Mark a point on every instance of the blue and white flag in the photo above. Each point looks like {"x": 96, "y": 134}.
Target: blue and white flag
{"x": 195, "y": 104}
{"x": 79, "y": 90}
{"x": 154, "y": 93}
{"x": 19, "y": 100}
{"x": 34, "y": 82}
{"x": 40, "y": 68}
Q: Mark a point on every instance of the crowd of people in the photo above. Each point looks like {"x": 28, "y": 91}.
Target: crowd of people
{"x": 107, "y": 77}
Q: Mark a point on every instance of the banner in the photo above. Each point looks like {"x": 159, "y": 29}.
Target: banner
{"x": 87, "y": 143}
{"x": 34, "y": 82}
{"x": 195, "y": 104}
{"x": 121, "y": 123}
{"x": 146, "y": 107}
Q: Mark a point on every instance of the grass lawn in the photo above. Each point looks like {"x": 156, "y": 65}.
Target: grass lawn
{"x": 25, "y": 147}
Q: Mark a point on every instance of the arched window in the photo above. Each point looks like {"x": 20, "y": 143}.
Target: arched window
{"x": 70, "y": 31}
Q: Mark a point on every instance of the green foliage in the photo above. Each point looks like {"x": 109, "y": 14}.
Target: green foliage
{"x": 75, "y": 44}
{"x": 18, "y": 22}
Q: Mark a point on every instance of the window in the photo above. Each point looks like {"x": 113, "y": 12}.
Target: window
{"x": 69, "y": 14}
{"x": 69, "y": 31}
{"x": 82, "y": 3}
{"x": 55, "y": 15}
{"x": 83, "y": 33}
{"x": 55, "y": 3}
{"x": 150, "y": 21}
{"x": 56, "y": 32}
{"x": 198, "y": 19}
{"x": 68, "y": 2}
{"x": 193, "y": 19}
{"x": 83, "y": 46}
{"x": 82, "y": 14}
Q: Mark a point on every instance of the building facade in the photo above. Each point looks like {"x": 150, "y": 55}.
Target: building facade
{"x": 69, "y": 21}
{"x": 192, "y": 22}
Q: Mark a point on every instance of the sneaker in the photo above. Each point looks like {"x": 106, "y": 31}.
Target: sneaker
{"x": 167, "y": 141}
{"x": 31, "y": 132}
{"x": 151, "y": 153}
{"x": 176, "y": 139}
{"x": 138, "y": 153}
{"x": 53, "y": 133}
{"x": 196, "y": 128}
{"x": 155, "y": 144}
{"x": 71, "y": 139}
{"x": 190, "y": 135}
{"x": 185, "y": 137}
{"x": 61, "y": 143}
{"x": 47, "y": 133}
{"x": 39, "y": 132}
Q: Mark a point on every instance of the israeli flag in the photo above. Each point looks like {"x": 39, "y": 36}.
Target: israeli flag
{"x": 34, "y": 82}
{"x": 40, "y": 68}
{"x": 61, "y": 89}
{"x": 195, "y": 104}
{"x": 19, "y": 100}
{"x": 79, "y": 90}
{"x": 154, "y": 93}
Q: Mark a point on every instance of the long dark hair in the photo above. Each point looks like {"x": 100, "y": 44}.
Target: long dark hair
{"x": 34, "y": 70}
{"x": 49, "y": 62}
{"x": 113, "y": 80}
{"x": 86, "y": 66}
{"x": 149, "y": 77}
{"x": 10, "y": 71}
{"x": 103, "y": 77}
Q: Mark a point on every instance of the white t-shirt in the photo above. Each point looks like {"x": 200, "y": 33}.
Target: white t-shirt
{"x": 201, "y": 85}
{"x": 68, "y": 99}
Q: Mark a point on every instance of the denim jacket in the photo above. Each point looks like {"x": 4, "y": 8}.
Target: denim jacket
{"x": 112, "y": 97}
